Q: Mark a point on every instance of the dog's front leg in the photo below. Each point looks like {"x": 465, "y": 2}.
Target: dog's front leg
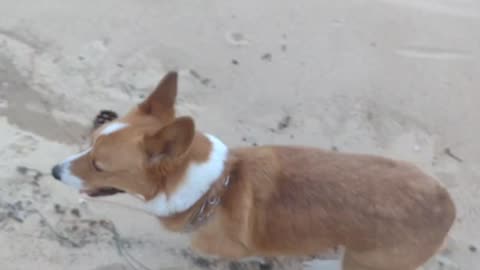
{"x": 217, "y": 244}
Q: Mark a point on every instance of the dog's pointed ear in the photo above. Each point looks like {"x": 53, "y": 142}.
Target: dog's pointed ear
{"x": 161, "y": 102}
{"x": 172, "y": 141}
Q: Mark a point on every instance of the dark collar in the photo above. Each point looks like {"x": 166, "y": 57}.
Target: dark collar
{"x": 209, "y": 203}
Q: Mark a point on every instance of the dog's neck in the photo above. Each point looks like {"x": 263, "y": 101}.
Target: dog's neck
{"x": 198, "y": 180}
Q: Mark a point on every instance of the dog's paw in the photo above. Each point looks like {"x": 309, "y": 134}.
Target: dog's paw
{"x": 104, "y": 116}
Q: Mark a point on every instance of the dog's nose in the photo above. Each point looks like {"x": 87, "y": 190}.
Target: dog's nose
{"x": 56, "y": 172}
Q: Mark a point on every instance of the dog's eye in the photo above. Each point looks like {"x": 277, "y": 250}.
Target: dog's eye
{"x": 96, "y": 167}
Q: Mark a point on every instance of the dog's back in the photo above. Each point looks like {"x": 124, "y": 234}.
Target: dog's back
{"x": 315, "y": 199}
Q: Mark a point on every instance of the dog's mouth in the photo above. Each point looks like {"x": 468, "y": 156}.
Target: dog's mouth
{"x": 102, "y": 192}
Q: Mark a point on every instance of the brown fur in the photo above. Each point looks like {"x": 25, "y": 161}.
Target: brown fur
{"x": 282, "y": 200}
{"x": 301, "y": 201}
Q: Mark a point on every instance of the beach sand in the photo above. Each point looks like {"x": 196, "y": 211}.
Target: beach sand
{"x": 392, "y": 77}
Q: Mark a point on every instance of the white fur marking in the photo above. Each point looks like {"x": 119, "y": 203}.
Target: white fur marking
{"x": 198, "y": 180}
{"x": 113, "y": 127}
{"x": 66, "y": 175}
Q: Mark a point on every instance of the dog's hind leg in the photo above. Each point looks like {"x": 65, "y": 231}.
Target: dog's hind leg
{"x": 382, "y": 259}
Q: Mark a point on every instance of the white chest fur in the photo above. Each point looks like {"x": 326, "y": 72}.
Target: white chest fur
{"x": 198, "y": 180}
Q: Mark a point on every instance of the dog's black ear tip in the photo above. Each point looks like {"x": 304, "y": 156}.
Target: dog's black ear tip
{"x": 109, "y": 113}
{"x": 266, "y": 266}
{"x": 103, "y": 117}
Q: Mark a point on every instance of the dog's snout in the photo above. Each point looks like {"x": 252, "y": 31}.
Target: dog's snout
{"x": 56, "y": 172}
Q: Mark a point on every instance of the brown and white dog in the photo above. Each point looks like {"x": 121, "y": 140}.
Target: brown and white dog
{"x": 264, "y": 201}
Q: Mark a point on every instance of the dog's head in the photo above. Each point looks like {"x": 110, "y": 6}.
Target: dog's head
{"x": 138, "y": 153}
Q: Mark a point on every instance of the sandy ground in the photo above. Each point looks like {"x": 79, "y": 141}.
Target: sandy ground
{"x": 391, "y": 77}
